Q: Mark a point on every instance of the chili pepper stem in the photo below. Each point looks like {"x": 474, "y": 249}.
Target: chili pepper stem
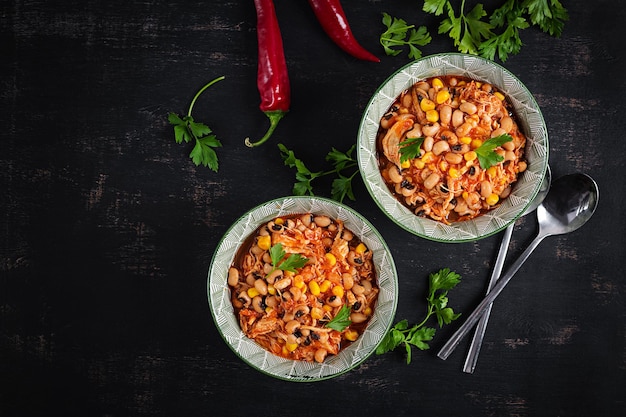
{"x": 193, "y": 101}
{"x": 275, "y": 117}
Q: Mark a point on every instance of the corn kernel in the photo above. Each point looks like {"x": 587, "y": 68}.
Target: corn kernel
{"x": 454, "y": 173}
{"x": 361, "y": 248}
{"x": 331, "y": 259}
{"x": 314, "y": 287}
{"x": 499, "y": 95}
{"x": 252, "y": 292}
{"x": 270, "y": 289}
{"x": 338, "y": 291}
{"x": 403, "y": 110}
{"x": 351, "y": 335}
{"x": 291, "y": 346}
{"x": 427, "y": 157}
{"x": 443, "y": 165}
{"x": 268, "y": 310}
{"x": 465, "y": 194}
{"x": 367, "y": 311}
{"x": 279, "y": 221}
{"x": 405, "y": 164}
{"x": 476, "y": 143}
{"x": 470, "y": 156}
{"x": 264, "y": 242}
{"x": 326, "y": 307}
{"x": 442, "y": 96}
{"x": 437, "y": 83}
{"x": 325, "y": 286}
{"x": 491, "y": 171}
{"x": 478, "y": 84}
{"x": 466, "y": 140}
{"x": 432, "y": 116}
{"x": 317, "y": 313}
{"x": 427, "y": 104}
{"x": 492, "y": 199}
{"x": 285, "y": 351}
{"x": 298, "y": 281}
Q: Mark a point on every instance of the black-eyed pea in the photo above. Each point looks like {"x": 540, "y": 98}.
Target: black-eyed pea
{"x": 320, "y": 355}
{"x": 458, "y": 117}
{"x": 347, "y": 235}
{"x": 233, "y": 276}
{"x": 273, "y": 276}
{"x": 347, "y": 281}
{"x": 432, "y": 180}
{"x": 300, "y": 311}
{"x": 394, "y": 174}
{"x": 322, "y": 221}
{"x": 428, "y": 143}
{"x": 453, "y": 158}
{"x": 522, "y": 166}
{"x": 306, "y": 219}
{"x": 291, "y": 326}
{"x": 508, "y": 146}
{"x": 431, "y": 130}
{"x": 261, "y": 286}
{"x": 485, "y": 189}
{"x": 282, "y": 283}
{"x": 258, "y": 303}
{"x": 464, "y": 129}
{"x": 367, "y": 285}
{"x": 296, "y": 293}
{"x": 445, "y": 114}
{"x": 250, "y": 278}
{"x": 358, "y": 289}
{"x": 334, "y": 301}
{"x": 498, "y": 132}
{"x": 272, "y": 301}
{"x": 440, "y": 147}
{"x": 358, "y": 318}
{"x": 467, "y": 107}
{"x": 506, "y": 123}
{"x": 509, "y": 156}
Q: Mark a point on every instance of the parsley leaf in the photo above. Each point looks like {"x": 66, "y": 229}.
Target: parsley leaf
{"x": 291, "y": 264}
{"x": 498, "y": 33}
{"x": 487, "y": 157}
{"x": 341, "y": 186}
{"x": 341, "y": 320}
{"x": 186, "y": 129}
{"x": 439, "y": 284}
{"x": 396, "y": 36}
{"x": 410, "y": 148}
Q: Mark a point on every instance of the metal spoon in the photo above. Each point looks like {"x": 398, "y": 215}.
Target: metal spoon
{"x": 570, "y": 203}
{"x": 479, "y": 334}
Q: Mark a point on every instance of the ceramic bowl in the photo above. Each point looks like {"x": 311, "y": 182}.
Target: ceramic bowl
{"x": 253, "y": 354}
{"x": 529, "y": 118}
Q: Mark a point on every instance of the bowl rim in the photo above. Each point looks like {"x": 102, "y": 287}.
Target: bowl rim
{"x": 253, "y": 354}
{"x": 523, "y": 102}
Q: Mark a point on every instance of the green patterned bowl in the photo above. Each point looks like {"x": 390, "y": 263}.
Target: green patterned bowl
{"x": 259, "y": 358}
{"x": 528, "y": 115}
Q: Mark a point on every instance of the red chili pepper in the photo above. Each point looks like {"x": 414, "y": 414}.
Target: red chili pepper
{"x": 272, "y": 77}
{"x": 334, "y": 22}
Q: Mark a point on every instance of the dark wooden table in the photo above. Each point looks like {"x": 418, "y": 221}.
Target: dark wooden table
{"x": 107, "y": 229}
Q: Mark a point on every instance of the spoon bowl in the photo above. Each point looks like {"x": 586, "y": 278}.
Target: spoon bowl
{"x": 570, "y": 203}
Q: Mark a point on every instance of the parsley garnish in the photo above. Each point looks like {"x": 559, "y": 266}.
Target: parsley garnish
{"x": 341, "y": 320}
{"x": 476, "y": 32}
{"x": 410, "y": 148}
{"x": 291, "y": 264}
{"x": 186, "y": 129}
{"x": 341, "y": 186}
{"x": 485, "y": 152}
{"x": 439, "y": 284}
{"x": 396, "y": 36}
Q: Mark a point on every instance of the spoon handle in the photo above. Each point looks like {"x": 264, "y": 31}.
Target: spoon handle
{"x": 479, "y": 334}
{"x": 471, "y": 320}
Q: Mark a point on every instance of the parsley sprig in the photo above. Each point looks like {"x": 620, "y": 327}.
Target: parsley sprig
{"x": 291, "y": 263}
{"x": 186, "y": 129}
{"x": 396, "y": 36}
{"x": 479, "y": 33}
{"x": 487, "y": 157}
{"x": 341, "y": 320}
{"x": 439, "y": 284}
{"x": 410, "y": 148}
{"x": 341, "y": 186}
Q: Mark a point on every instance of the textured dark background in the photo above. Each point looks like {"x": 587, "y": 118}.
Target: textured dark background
{"x": 107, "y": 229}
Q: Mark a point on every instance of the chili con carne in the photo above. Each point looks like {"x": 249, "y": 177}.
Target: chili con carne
{"x": 331, "y": 16}
{"x": 272, "y": 76}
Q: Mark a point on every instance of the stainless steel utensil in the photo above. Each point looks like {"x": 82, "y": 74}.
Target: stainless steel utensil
{"x": 570, "y": 203}
{"x": 477, "y": 341}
